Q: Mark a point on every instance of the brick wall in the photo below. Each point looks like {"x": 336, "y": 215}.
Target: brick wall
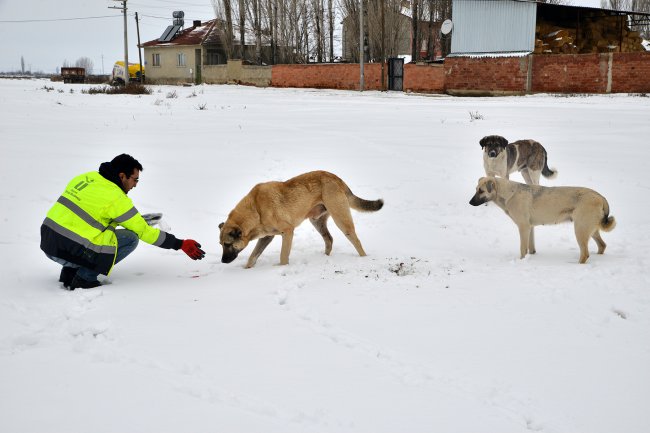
{"x": 424, "y": 78}
{"x": 570, "y": 73}
{"x": 486, "y": 75}
{"x": 631, "y": 73}
{"x": 344, "y": 76}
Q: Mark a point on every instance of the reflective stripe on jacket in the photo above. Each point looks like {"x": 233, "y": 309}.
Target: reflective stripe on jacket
{"x": 80, "y": 226}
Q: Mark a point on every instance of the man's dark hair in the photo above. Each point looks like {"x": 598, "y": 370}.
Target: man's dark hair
{"x": 125, "y": 164}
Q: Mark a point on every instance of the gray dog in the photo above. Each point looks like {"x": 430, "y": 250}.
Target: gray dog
{"x": 501, "y": 158}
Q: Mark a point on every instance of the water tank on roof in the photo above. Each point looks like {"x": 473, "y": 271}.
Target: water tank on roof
{"x": 178, "y": 18}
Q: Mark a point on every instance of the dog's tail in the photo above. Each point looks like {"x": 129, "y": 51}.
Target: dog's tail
{"x": 608, "y": 222}
{"x": 549, "y": 173}
{"x": 362, "y": 205}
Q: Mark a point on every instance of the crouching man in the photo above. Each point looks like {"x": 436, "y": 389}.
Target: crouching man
{"x": 79, "y": 231}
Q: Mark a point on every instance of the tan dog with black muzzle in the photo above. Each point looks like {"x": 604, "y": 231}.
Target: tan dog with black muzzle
{"x": 533, "y": 205}
{"x": 277, "y": 208}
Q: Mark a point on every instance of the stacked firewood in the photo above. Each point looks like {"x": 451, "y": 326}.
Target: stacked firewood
{"x": 555, "y": 41}
{"x": 596, "y": 35}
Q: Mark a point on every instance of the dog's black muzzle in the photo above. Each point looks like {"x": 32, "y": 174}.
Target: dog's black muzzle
{"x": 229, "y": 255}
{"x": 477, "y": 201}
{"x": 492, "y": 154}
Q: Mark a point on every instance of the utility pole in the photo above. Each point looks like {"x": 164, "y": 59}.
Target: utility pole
{"x": 383, "y": 52}
{"x": 137, "y": 27}
{"x": 361, "y": 53}
{"x": 126, "y": 41}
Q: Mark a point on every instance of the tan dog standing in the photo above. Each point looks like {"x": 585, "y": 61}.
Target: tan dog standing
{"x": 501, "y": 158}
{"x": 277, "y": 208}
{"x": 533, "y": 205}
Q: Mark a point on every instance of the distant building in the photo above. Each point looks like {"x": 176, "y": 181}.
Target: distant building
{"x": 190, "y": 55}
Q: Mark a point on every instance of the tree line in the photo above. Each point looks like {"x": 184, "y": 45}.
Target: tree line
{"x": 302, "y": 31}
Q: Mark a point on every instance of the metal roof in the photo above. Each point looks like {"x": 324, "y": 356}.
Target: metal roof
{"x": 485, "y": 26}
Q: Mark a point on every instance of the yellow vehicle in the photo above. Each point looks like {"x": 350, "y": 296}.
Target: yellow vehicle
{"x": 134, "y": 73}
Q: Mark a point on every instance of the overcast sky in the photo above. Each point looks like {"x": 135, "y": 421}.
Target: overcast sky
{"x": 47, "y": 33}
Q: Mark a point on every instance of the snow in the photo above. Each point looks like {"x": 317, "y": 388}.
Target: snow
{"x": 440, "y": 328}
{"x": 491, "y": 55}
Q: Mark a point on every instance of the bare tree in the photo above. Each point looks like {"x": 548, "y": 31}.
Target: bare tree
{"x": 330, "y": 23}
{"x": 286, "y": 31}
{"x": 257, "y": 29}
{"x": 242, "y": 28}
{"x": 318, "y": 29}
{"x": 415, "y": 33}
{"x": 223, "y": 11}
{"x": 397, "y": 26}
{"x": 86, "y": 63}
{"x": 642, "y": 26}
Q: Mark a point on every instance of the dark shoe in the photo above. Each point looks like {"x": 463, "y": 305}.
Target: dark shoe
{"x": 67, "y": 274}
{"x": 78, "y": 282}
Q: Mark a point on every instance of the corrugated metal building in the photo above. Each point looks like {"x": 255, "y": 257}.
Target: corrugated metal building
{"x": 493, "y": 26}
{"x": 510, "y": 26}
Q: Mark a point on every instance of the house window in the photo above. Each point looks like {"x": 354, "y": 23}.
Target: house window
{"x": 155, "y": 61}
{"x": 213, "y": 57}
{"x": 180, "y": 59}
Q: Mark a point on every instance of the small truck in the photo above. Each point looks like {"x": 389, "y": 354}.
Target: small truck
{"x": 73, "y": 75}
{"x": 117, "y": 77}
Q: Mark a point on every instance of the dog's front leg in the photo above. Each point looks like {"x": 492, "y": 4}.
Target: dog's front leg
{"x": 524, "y": 236}
{"x": 287, "y": 239}
{"x": 531, "y": 241}
{"x": 262, "y": 243}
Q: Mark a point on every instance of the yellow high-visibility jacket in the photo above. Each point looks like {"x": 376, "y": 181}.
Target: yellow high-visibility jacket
{"x": 80, "y": 226}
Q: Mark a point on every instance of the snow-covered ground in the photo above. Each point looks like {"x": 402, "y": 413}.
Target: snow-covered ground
{"x": 441, "y": 328}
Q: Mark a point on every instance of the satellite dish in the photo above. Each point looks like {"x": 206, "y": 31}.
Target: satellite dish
{"x": 446, "y": 27}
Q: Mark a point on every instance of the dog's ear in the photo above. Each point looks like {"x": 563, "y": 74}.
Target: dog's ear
{"x": 221, "y": 226}
{"x": 235, "y": 233}
{"x": 490, "y": 185}
{"x": 483, "y": 142}
{"x": 502, "y": 141}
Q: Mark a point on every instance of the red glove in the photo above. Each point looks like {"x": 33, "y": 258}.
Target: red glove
{"x": 193, "y": 249}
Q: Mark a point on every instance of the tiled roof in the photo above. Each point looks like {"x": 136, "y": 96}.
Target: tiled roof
{"x": 206, "y": 33}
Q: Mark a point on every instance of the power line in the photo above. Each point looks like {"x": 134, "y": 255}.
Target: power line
{"x": 58, "y": 19}
{"x": 181, "y": 3}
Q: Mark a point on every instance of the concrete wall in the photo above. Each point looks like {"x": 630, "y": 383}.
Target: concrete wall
{"x": 235, "y": 72}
